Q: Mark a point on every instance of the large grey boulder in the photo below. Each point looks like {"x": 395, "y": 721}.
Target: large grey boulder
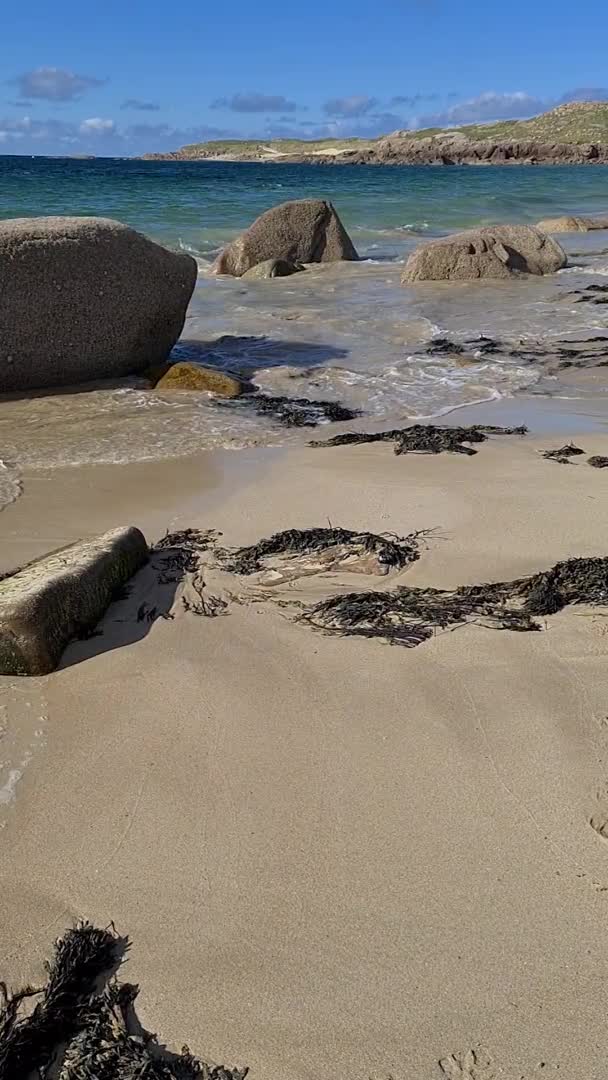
{"x": 303, "y": 231}
{"x": 45, "y": 605}
{"x": 85, "y": 298}
{"x": 571, "y": 224}
{"x": 498, "y": 251}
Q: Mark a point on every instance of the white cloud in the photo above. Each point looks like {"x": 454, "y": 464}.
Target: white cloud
{"x": 97, "y": 126}
{"x": 356, "y": 105}
{"x": 55, "y": 84}
{"x": 255, "y": 103}
{"x": 483, "y": 109}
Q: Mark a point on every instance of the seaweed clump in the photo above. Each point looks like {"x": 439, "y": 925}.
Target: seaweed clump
{"x": 408, "y": 616}
{"x": 297, "y": 412}
{"x": 426, "y": 438}
{"x": 393, "y": 552}
{"x": 598, "y": 461}
{"x": 563, "y": 454}
{"x": 83, "y": 1032}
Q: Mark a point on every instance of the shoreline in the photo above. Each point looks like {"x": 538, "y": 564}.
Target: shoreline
{"x": 314, "y": 841}
{"x": 331, "y": 853}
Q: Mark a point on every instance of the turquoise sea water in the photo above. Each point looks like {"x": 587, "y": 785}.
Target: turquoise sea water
{"x": 348, "y": 332}
{"x": 202, "y": 204}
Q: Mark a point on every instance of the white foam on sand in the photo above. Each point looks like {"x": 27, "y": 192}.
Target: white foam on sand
{"x": 10, "y": 484}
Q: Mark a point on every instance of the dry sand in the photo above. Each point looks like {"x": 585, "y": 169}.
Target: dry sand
{"x": 334, "y": 857}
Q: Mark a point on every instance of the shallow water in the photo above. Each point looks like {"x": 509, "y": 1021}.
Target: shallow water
{"x": 347, "y": 332}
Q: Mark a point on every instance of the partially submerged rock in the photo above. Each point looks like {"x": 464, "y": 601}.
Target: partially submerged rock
{"x": 45, "y": 605}
{"x": 85, "y": 298}
{"x": 188, "y": 376}
{"x": 495, "y": 252}
{"x": 272, "y": 268}
{"x": 571, "y": 224}
{"x": 302, "y": 231}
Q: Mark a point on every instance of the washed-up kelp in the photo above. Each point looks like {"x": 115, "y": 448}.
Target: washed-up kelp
{"x": 178, "y": 552}
{"x": 553, "y": 355}
{"x": 592, "y": 294}
{"x": 598, "y": 461}
{"x": 81, "y": 1031}
{"x": 295, "y": 412}
{"x": 178, "y": 559}
{"x": 482, "y": 345}
{"x": 426, "y": 438}
{"x": 408, "y": 616}
{"x": 393, "y": 552}
{"x": 563, "y": 454}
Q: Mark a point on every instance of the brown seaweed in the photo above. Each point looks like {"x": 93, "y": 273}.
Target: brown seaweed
{"x": 563, "y": 454}
{"x": 28, "y": 1043}
{"x": 408, "y": 616}
{"x": 84, "y": 1032}
{"x": 392, "y": 551}
{"x": 425, "y": 438}
{"x": 296, "y": 412}
{"x": 598, "y": 461}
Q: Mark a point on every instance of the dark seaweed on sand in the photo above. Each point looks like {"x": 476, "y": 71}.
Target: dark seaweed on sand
{"x": 296, "y": 412}
{"x": 426, "y": 438}
{"x": 394, "y": 551}
{"x": 177, "y": 553}
{"x": 598, "y": 461}
{"x": 563, "y": 454}
{"x": 79, "y": 1031}
{"x": 28, "y": 1043}
{"x": 408, "y": 616}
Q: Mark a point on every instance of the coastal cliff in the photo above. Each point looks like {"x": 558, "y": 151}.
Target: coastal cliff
{"x": 573, "y": 134}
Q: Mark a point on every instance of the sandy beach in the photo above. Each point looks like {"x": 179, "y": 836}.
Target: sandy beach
{"x": 333, "y": 856}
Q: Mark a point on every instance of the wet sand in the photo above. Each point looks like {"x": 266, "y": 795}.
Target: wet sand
{"x": 334, "y": 857}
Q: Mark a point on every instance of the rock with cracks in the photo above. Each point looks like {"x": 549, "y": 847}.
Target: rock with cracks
{"x": 496, "y": 252}
{"x": 53, "y": 600}
{"x": 303, "y": 231}
{"x": 85, "y": 298}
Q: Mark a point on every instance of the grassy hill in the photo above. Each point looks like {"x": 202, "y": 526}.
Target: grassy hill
{"x": 576, "y": 123}
{"x": 266, "y": 147}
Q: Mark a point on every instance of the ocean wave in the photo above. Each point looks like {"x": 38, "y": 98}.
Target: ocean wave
{"x": 393, "y": 230}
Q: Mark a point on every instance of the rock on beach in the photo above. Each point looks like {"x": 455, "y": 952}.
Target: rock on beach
{"x": 84, "y": 299}
{"x": 302, "y": 231}
{"x": 497, "y": 251}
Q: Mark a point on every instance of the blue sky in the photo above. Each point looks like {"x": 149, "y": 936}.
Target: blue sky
{"x": 128, "y": 77}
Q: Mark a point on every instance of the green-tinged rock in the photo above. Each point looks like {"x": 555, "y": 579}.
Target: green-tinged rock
{"x": 189, "y": 376}
{"x": 45, "y": 605}
{"x": 272, "y": 268}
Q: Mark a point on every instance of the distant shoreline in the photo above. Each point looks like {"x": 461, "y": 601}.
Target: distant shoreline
{"x": 486, "y": 154}
{"x": 572, "y": 134}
